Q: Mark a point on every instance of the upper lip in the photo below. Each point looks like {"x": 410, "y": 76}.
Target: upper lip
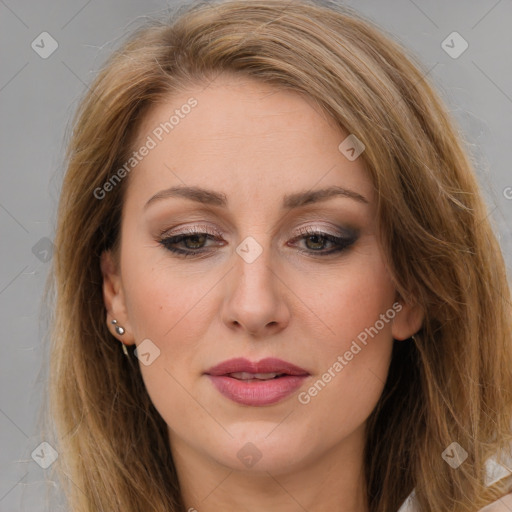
{"x": 267, "y": 365}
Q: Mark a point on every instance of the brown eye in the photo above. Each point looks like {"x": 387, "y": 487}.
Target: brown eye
{"x": 195, "y": 241}
{"x": 316, "y": 241}
{"x": 192, "y": 241}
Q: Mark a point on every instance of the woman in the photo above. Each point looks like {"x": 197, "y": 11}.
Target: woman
{"x": 268, "y": 209}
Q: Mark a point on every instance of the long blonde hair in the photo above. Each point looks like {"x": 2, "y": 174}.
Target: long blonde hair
{"x": 453, "y": 384}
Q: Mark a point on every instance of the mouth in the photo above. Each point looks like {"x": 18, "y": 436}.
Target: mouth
{"x": 265, "y": 382}
{"x": 268, "y": 368}
{"x": 250, "y": 377}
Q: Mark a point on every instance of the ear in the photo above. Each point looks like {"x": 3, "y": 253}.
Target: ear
{"x": 113, "y": 297}
{"x": 408, "y": 320}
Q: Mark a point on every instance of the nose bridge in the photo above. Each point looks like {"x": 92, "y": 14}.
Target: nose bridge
{"x": 254, "y": 267}
{"x": 255, "y": 298}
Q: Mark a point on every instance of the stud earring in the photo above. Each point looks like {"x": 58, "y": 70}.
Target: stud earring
{"x": 120, "y": 330}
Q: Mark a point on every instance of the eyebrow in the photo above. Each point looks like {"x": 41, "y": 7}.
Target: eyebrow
{"x": 290, "y": 201}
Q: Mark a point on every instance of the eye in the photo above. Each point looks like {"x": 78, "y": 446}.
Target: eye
{"x": 193, "y": 241}
{"x": 316, "y": 241}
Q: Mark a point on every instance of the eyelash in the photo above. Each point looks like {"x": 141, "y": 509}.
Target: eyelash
{"x": 341, "y": 242}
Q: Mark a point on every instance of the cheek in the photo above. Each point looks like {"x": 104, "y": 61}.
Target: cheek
{"x": 350, "y": 299}
{"x": 160, "y": 304}
{"x": 172, "y": 308}
{"x": 163, "y": 300}
{"x": 170, "y": 311}
{"x": 354, "y": 352}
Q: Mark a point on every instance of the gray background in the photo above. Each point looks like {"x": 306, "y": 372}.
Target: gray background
{"x": 38, "y": 97}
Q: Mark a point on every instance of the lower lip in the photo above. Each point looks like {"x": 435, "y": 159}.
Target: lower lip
{"x": 257, "y": 393}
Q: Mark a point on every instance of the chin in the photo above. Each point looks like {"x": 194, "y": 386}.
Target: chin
{"x": 257, "y": 451}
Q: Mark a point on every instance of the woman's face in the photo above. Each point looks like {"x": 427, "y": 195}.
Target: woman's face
{"x": 277, "y": 270}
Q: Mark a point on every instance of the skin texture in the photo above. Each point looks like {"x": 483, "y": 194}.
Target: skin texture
{"x": 255, "y": 144}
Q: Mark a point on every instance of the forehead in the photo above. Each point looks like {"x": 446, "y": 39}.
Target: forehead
{"x": 243, "y": 137}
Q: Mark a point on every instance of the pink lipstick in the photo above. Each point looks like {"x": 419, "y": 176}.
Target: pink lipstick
{"x": 259, "y": 383}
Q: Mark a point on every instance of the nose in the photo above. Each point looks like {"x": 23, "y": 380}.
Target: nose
{"x": 256, "y": 297}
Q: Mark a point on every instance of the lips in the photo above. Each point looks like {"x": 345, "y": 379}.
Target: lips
{"x": 256, "y": 383}
{"x": 269, "y": 365}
